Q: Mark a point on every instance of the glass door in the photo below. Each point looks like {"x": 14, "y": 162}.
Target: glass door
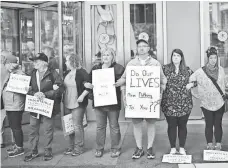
{"x": 143, "y": 20}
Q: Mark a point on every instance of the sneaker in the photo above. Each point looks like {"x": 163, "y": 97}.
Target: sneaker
{"x": 115, "y": 153}
{"x": 218, "y": 146}
{"x": 11, "y": 149}
{"x": 182, "y": 151}
{"x": 48, "y": 155}
{"x": 173, "y": 151}
{"x": 31, "y": 156}
{"x": 76, "y": 152}
{"x": 99, "y": 153}
{"x": 210, "y": 146}
{"x": 68, "y": 151}
{"x": 17, "y": 152}
{"x": 150, "y": 153}
{"x": 138, "y": 153}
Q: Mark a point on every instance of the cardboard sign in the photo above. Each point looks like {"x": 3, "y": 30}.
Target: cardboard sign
{"x": 104, "y": 90}
{"x": 169, "y": 158}
{"x": 44, "y": 107}
{"x": 68, "y": 125}
{"x": 143, "y": 92}
{"x": 18, "y": 83}
{"x": 213, "y": 155}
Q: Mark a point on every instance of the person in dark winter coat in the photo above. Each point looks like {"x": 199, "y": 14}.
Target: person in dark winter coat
{"x": 45, "y": 83}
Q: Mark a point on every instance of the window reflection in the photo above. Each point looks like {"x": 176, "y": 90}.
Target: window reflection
{"x": 143, "y": 21}
{"x": 9, "y": 31}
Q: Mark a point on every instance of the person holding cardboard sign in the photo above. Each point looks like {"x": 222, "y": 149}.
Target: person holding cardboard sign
{"x": 143, "y": 59}
{"x": 177, "y": 100}
{"x": 75, "y": 102}
{"x": 211, "y": 92}
{"x": 45, "y": 83}
{"x": 108, "y": 111}
{"x": 14, "y": 105}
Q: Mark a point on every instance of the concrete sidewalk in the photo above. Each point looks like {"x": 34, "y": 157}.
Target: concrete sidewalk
{"x": 194, "y": 145}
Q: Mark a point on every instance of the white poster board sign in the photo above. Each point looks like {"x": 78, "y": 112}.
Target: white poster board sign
{"x": 213, "y": 155}
{"x": 68, "y": 125}
{"x": 169, "y": 158}
{"x": 143, "y": 92}
{"x": 18, "y": 83}
{"x": 104, "y": 90}
{"x": 44, "y": 107}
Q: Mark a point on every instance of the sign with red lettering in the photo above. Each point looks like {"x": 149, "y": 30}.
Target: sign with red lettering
{"x": 44, "y": 107}
{"x": 143, "y": 92}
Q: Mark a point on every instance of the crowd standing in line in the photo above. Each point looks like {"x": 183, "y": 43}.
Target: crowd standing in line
{"x": 178, "y": 84}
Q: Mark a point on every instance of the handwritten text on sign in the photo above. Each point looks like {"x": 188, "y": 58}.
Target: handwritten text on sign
{"x": 213, "y": 155}
{"x": 44, "y": 107}
{"x": 104, "y": 90}
{"x": 18, "y": 83}
{"x": 68, "y": 125}
{"x": 143, "y": 92}
{"x": 177, "y": 158}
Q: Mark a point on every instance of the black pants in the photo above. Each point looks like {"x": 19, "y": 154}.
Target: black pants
{"x": 15, "y": 118}
{"x": 213, "y": 119}
{"x": 181, "y": 123}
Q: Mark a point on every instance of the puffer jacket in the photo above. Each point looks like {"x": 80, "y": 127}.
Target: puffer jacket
{"x": 13, "y": 101}
{"x": 50, "y": 78}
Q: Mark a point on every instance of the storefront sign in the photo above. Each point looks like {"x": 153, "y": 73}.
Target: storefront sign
{"x": 104, "y": 90}
{"x": 222, "y": 36}
{"x": 143, "y": 92}
{"x": 18, "y": 83}
{"x": 44, "y": 107}
{"x": 169, "y": 158}
{"x": 213, "y": 155}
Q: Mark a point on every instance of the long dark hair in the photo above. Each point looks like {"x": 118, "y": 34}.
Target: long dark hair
{"x": 182, "y": 66}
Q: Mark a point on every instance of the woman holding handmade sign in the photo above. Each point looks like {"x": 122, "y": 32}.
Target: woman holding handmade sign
{"x": 177, "y": 99}
{"x": 107, "y": 101}
{"x": 14, "y": 105}
{"x": 45, "y": 83}
{"x": 75, "y": 102}
{"x": 211, "y": 91}
{"x": 143, "y": 59}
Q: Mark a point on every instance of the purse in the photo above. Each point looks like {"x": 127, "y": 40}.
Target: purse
{"x": 215, "y": 83}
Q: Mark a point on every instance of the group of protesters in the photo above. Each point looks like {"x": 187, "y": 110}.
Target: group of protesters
{"x": 178, "y": 84}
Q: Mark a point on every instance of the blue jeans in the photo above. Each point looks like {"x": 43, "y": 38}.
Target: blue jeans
{"x": 101, "y": 119}
{"x": 76, "y": 139}
{"x": 34, "y": 132}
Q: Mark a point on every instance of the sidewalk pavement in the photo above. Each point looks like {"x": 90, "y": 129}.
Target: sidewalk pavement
{"x": 194, "y": 145}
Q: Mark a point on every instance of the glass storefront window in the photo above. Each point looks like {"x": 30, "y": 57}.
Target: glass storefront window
{"x": 49, "y": 35}
{"x": 219, "y": 31}
{"x": 27, "y": 31}
{"x": 103, "y": 21}
{"x": 143, "y": 25}
{"x": 9, "y": 31}
{"x": 72, "y": 29}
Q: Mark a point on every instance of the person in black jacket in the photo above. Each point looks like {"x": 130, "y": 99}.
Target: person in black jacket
{"x": 111, "y": 111}
{"x": 45, "y": 83}
{"x": 75, "y": 102}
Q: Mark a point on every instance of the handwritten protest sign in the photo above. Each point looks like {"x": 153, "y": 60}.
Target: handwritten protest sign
{"x": 68, "y": 125}
{"x": 213, "y": 155}
{"x": 44, "y": 107}
{"x": 104, "y": 90}
{"x": 169, "y": 158}
{"x": 143, "y": 92}
{"x": 18, "y": 83}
